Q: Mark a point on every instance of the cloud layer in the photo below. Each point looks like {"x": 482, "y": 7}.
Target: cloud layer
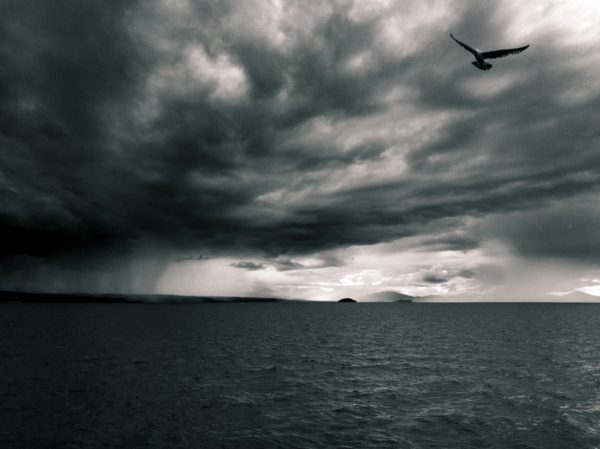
{"x": 278, "y": 135}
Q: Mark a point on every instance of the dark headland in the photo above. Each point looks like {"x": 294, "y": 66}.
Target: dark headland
{"x": 50, "y": 298}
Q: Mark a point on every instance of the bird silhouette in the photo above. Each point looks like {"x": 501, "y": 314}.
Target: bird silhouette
{"x": 481, "y": 56}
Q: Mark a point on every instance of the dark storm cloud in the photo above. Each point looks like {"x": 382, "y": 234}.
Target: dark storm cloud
{"x": 321, "y": 261}
{"x": 62, "y": 63}
{"x": 434, "y": 279}
{"x": 455, "y": 241}
{"x": 200, "y": 257}
{"x": 286, "y": 264}
{"x": 79, "y": 76}
{"x": 439, "y": 274}
{"x": 248, "y": 265}
{"x": 66, "y": 68}
{"x": 467, "y": 273}
{"x": 253, "y": 131}
{"x": 566, "y": 231}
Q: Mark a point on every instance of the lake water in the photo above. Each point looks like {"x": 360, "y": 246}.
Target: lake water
{"x": 300, "y": 375}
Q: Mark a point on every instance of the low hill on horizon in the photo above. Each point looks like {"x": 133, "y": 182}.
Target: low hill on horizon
{"x": 578, "y": 296}
{"x": 386, "y": 296}
{"x": 574, "y": 297}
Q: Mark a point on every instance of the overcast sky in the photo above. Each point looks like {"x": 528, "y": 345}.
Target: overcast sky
{"x": 299, "y": 149}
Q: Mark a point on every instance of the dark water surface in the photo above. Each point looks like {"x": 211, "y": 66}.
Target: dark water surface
{"x": 300, "y": 375}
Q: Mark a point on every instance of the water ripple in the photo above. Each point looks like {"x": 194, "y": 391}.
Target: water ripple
{"x": 278, "y": 375}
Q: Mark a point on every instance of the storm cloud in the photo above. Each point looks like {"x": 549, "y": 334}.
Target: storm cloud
{"x": 279, "y": 134}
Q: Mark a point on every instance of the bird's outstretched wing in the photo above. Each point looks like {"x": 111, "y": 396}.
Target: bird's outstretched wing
{"x": 465, "y": 46}
{"x": 502, "y": 53}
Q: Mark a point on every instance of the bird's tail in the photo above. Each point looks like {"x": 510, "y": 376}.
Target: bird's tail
{"x": 484, "y": 66}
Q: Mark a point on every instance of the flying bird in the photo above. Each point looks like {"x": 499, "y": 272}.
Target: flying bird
{"x": 481, "y": 56}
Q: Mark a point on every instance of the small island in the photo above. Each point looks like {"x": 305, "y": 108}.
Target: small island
{"x": 347, "y": 300}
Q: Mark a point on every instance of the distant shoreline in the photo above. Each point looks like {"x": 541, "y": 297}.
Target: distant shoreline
{"x": 7, "y": 297}
{"x": 62, "y": 298}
